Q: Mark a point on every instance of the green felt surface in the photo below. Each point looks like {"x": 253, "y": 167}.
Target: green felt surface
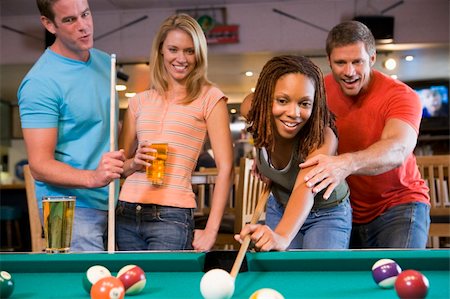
{"x": 299, "y": 274}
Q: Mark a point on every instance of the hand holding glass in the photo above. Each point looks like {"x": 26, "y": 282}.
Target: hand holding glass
{"x": 155, "y": 172}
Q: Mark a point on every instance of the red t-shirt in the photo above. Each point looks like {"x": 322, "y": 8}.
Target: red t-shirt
{"x": 360, "y": 124}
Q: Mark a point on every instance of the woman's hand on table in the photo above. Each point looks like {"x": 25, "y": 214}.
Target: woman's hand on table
{"x": 203, "y": 239}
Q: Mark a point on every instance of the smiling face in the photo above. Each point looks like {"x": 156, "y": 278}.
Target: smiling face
{"x": 351, "y": 66}
{"x": 293, "y": 102}
{"x": 179, "y": 55}
{"x": 73, "y": 27}
{"x": 431, "y": 100}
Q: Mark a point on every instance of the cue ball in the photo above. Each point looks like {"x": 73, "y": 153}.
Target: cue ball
{"x": 385, "y": 272}
{"x": 94, "y": 274}
{"x": 266, "y": 293}
{"x": 217, "y": 284}
{"x": 108, "y": 288}
{"x": 6, "y": 284}
{"x": 133, "y": 279}
{"x": 412, "y": 284}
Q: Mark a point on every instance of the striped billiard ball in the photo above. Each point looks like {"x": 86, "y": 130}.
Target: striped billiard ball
{"x": 385, "y": 272}
{"x": 133, "y": 279}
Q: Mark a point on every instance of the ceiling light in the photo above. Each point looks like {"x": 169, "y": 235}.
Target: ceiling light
{"x": 390, "y": 64}
{"x": 249, "y": 73}
{"x": 130, "y": 94}
{"x": 233, "y": 111}
{"x": 120, "y": 87}
{"x": 395, "y": 77}
{"x": 409, "y": 58}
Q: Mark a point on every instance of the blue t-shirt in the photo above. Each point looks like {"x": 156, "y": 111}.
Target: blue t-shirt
{"x": 74, "y": 97}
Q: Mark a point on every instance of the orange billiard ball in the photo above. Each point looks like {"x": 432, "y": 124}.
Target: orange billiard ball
{"x": 108, "y": 288}
{"x": 266, "y": 293}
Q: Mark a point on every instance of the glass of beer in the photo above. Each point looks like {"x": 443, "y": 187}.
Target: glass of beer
{"x": 155, "y": 172}
{"x": 58, "y": 222}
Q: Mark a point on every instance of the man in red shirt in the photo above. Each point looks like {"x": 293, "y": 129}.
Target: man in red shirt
{"x": 378, "y": 121}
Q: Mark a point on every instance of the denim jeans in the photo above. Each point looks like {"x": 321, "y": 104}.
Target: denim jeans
{"x": 402, "y": 226}
{"x": 327, "y": 228}
{"x": 89, "y": 229}
{"x": 153, "y": 227}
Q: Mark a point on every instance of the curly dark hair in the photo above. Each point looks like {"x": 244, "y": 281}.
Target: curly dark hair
{"x": 312, "y": 134}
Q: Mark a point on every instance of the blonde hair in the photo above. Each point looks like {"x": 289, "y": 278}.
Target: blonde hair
{"x": 197, "y": 78}
{"x": 260, "y": 117}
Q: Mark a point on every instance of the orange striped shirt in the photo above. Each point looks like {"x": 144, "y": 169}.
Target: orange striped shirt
{"x": 183, "y": 127}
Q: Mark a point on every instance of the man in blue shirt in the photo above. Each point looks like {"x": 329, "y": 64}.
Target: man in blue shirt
{"x": 64, "y": 105}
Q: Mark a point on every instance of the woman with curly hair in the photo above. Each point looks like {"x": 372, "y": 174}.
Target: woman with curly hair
{"x": 290, "y": 122}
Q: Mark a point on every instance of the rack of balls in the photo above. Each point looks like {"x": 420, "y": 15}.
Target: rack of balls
{"x": 408, "y": 284}
{"x": 101, "y": 284}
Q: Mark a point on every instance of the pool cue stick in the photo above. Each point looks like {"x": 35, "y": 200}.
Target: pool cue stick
{"x": 112, "y": 147}
{"x": 255, "y": 218}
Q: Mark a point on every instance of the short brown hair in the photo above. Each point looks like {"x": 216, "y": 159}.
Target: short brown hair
{"x": 350, "y": 32}
{"x": 46, "y": 8}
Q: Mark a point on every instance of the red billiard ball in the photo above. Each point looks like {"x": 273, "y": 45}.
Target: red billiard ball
{"x": 94, "y": 274}
{"x": 411, "y": 284}
{"x": 133, "y": 279}
{"x": 6, "y": 284}
{"x": 108, "y": 288}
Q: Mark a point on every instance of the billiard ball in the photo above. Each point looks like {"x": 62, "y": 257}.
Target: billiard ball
{"x": 217, "y": 284}
{"x": 385, "y": 272}
{"x": 411, "y": 284}
{"x": 133, "y": 279}
{"x": 108, "y": 288}
{"x": 6, "y": 284}
{"x": 92, "y": 275}
{"x": 266, "y": 293}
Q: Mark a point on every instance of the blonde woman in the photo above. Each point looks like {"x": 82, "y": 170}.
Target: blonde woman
{"x": 180, "y": 108}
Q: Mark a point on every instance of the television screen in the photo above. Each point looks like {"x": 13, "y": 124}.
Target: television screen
{"x": 434, "y": 96}
{"x": 434, "y": 100}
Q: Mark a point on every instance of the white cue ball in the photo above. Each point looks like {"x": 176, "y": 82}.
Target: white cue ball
{"x": 217, "y": 284}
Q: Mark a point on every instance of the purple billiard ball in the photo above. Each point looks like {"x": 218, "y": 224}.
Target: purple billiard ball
{"x": 385, "y": 272}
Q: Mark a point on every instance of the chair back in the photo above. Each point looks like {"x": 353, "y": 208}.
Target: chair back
{"x": 435, "y": 172}
{"x": 249, "y": 189}
{"x": 37, "y": 239}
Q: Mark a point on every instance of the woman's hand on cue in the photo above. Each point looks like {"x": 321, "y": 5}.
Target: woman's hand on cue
{"x": 264, "y": 238}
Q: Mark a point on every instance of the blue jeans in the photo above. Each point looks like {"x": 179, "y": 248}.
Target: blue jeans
{"x": 402, "y": 226}
{"x": 327, "y": 228}
{"x": 153, "y": 227}
{"x": 89, "y": 229}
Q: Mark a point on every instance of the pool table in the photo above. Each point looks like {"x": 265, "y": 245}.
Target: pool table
{"x": 295, "y": 274}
